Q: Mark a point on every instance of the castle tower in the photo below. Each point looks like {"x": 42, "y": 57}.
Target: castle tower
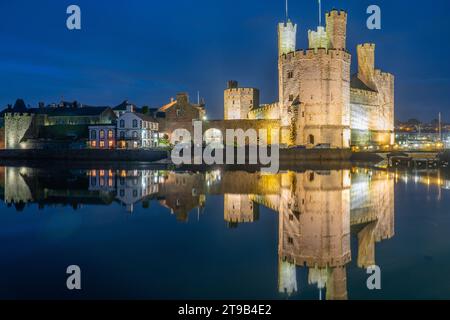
{"x": 366, "y": 64}
{"x": 239, "y": 101}
{"x": 318, "y": 39}
{"x": 337, "y": 29}
{"x": 287, "y": 37}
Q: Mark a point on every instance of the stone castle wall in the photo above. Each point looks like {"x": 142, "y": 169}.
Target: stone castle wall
{"x": 239, "y": 101}
{"x": 320, "y": 80}
{"x": 373, "y": 109}
{"x": 17, "y": 126}
{"x": 267, "y": 112}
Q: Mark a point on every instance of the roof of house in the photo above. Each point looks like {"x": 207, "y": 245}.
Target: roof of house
{"x": 144, "y": 117}
{"x": 168, "y": 106}
{"x": 67, "y": 112}
{"x": 123, "y": 106}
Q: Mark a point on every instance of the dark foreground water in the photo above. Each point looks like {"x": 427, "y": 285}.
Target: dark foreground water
{"x": 152, "y": 234}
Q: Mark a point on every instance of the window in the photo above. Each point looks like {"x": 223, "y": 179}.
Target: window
{"x": 290, "y": 74}
{"x": 178, "y": 112}
{"x": 290, "y": 240}
{"x": 311, "y": 176}
{"x": 122, "y": 123}
{"x": 102, "y": 144}
{"x": 122, "y": 193}
{"x": 311, "y": 139}
{"x": 94, "y": 144}
{"x": 110, "y": 144}
{"x": 110, "y": 134}
{"x": 135, "y": 123}
{"x": 140, "y": 124}
{"x": 291, "y": 97}
{"x": 102, "y": 134}
{"x": 135, "y": 134}
{"x": 93, "y": 134}
{"x": 122, "y": 134}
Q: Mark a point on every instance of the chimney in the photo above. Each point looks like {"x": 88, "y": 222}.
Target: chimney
{"x": 130, "y": 108}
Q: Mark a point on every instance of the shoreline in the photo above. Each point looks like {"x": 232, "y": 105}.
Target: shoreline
{"x": 289, "y": 158}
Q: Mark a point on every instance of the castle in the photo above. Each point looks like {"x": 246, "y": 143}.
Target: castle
{"x": 319, "y": 101}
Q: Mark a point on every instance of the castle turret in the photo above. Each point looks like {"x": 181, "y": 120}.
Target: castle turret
{"x": 366, "y": 64}
{"x": 337, "y": 29}
{"x": 287, "y": 37}
{"x": 318, "y": 39}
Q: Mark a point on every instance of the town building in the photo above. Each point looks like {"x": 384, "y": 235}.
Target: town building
{"x": 132, "y": 130}
{"x": 63, "y": 126}
{"x": 102, "y": 136}
{"x": 136, "y": 130}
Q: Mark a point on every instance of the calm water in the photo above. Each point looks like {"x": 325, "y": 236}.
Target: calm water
{"x": 155, "y": 234}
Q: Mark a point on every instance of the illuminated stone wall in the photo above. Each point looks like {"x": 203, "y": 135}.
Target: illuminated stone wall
{"x": 239, "y": 101}
{"x": 372, "y": 101}
{"x": 267, "y": 111}
{"x": 319, "y": 80}
{"x": 287, "y": 37}
{"x": 17, "y": 126}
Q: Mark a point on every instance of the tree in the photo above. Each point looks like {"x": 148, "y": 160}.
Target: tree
{"x": 145, "y": 109}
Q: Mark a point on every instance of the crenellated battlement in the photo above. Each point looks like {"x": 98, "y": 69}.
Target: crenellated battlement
{"x": 18, "y": 114}
{"x": 366, "y": 45}
{"x": 365, "y": 93}
{"x": 383, "y": 75}
{"x": 311, "y": 53}
{"x": 337, "y": 13}
{"x": 241, "y": 90}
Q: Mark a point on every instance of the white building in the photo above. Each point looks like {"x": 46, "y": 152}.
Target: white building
{"x": 132, "y": 131}
{"x": 136, "y": 130}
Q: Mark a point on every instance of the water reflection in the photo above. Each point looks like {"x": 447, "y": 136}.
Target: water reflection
{"x": 318, "y": 210}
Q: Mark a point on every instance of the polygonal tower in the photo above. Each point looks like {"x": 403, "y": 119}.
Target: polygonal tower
{"x": 239, "y": 101}
{"x": 337, "y": 29}
{"x": 315, "y": 83}
{"x": 287, "y": 37}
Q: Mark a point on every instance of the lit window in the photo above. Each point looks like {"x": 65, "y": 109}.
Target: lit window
{"x": 111, "y": 144}
{"x": 102, "y": 144}
{"x": 110, "y": 134}
{"x": 94, "y": 144}
{"x": 102, "y": 134}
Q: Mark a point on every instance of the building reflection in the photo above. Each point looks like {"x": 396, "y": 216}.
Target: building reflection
{"x": 318, "y": 211}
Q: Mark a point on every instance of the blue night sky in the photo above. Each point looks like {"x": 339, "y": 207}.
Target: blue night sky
{"x": 147, "y": 51}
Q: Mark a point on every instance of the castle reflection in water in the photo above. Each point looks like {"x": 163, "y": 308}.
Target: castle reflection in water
{"x": 317, "y": 210}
